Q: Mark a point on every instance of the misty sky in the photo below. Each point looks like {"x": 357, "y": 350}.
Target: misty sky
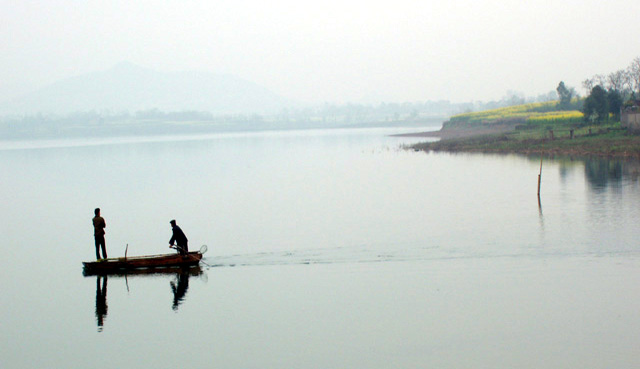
{"x": 328, "y": 51}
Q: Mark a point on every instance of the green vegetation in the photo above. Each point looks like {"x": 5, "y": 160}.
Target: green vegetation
{"x": 542, "y": 129}
{"x": 607, "y": 140}
{"x": 596, "y": 106}
{"x": 571, "y": 125}
{"x": 566, "y": 95}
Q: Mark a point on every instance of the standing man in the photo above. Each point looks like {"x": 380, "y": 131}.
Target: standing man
{"x": 179, "y": 238}
{"x": 98, "y": 233}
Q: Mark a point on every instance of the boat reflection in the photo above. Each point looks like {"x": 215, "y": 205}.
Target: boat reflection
{"x": 179, "y": 286}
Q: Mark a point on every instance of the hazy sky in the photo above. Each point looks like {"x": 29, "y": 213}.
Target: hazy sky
{"x": 333, "y": 51}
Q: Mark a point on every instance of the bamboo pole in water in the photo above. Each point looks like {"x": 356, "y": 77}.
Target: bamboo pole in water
{"x": 540, "y": 176}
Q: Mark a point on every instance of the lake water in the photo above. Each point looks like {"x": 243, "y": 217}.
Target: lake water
{"x": 327, "y": 249}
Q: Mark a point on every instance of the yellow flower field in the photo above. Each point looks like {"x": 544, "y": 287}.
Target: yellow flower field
{"x": 535, "y": 113}
{"x": 553, "y": 117}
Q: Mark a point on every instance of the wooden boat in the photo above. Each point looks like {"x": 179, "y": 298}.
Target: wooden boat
{"x": 192, "y": 271}
{"x": 115, "y": 265}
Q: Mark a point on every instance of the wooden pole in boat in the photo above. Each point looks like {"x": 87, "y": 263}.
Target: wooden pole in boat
{"x": 540, "y": 175}
{"x": 127, "y": 248}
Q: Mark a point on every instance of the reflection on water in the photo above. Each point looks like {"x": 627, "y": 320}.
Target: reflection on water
{"x": 101, "y": 301}
{"x": 179, "y": 286}
{"x": 329, "y": 247}
{"x": 603, "y": 172}
{"x": 540, "y": 214}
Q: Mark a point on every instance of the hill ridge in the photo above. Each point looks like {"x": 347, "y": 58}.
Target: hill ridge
{"x": 129, "y": 87}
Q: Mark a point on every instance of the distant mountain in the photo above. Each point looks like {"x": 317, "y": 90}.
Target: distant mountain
{"x": 129, "y": 87}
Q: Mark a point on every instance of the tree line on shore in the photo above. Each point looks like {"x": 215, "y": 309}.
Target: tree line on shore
{"x": 607, "y": 95}
{"x": 153, "y": 121}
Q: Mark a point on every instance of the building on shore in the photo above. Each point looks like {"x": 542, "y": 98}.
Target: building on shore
{"x": 630, "y": 116}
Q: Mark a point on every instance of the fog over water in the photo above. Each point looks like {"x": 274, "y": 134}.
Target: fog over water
{"x": 327, "y": 248}
{"x": 329, "y": 51}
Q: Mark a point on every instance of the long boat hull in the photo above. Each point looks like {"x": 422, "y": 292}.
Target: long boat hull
{"x": 137, "y": 262}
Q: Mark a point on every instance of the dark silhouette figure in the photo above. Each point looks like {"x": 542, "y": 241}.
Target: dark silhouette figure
{"x": 179, "y": 288}
{"x": 101, "y": 301}
{"x": 98, "y": 233}
{"x": 179, "y": 238}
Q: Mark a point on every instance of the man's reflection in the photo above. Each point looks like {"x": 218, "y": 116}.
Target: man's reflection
{"x": 179, "y": 288}
{"x": 101, "y": 301}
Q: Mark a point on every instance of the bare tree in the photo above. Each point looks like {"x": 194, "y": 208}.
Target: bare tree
{"x": 634, "y": 75}
{"x": 600, "y": 79}
{"x": 618, "y": 80}
{"x": 588, "y": 84}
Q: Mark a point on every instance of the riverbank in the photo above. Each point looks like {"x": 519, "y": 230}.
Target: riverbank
{"x": 610, "y": 141}
{"x": 458, "y": 133}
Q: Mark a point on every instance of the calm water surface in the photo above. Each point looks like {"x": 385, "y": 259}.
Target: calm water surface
{"x": 327, "y": 249}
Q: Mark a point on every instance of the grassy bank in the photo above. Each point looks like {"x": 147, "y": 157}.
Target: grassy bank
{"x": 603, "y": 142}
{"x": 527, "y": 129}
